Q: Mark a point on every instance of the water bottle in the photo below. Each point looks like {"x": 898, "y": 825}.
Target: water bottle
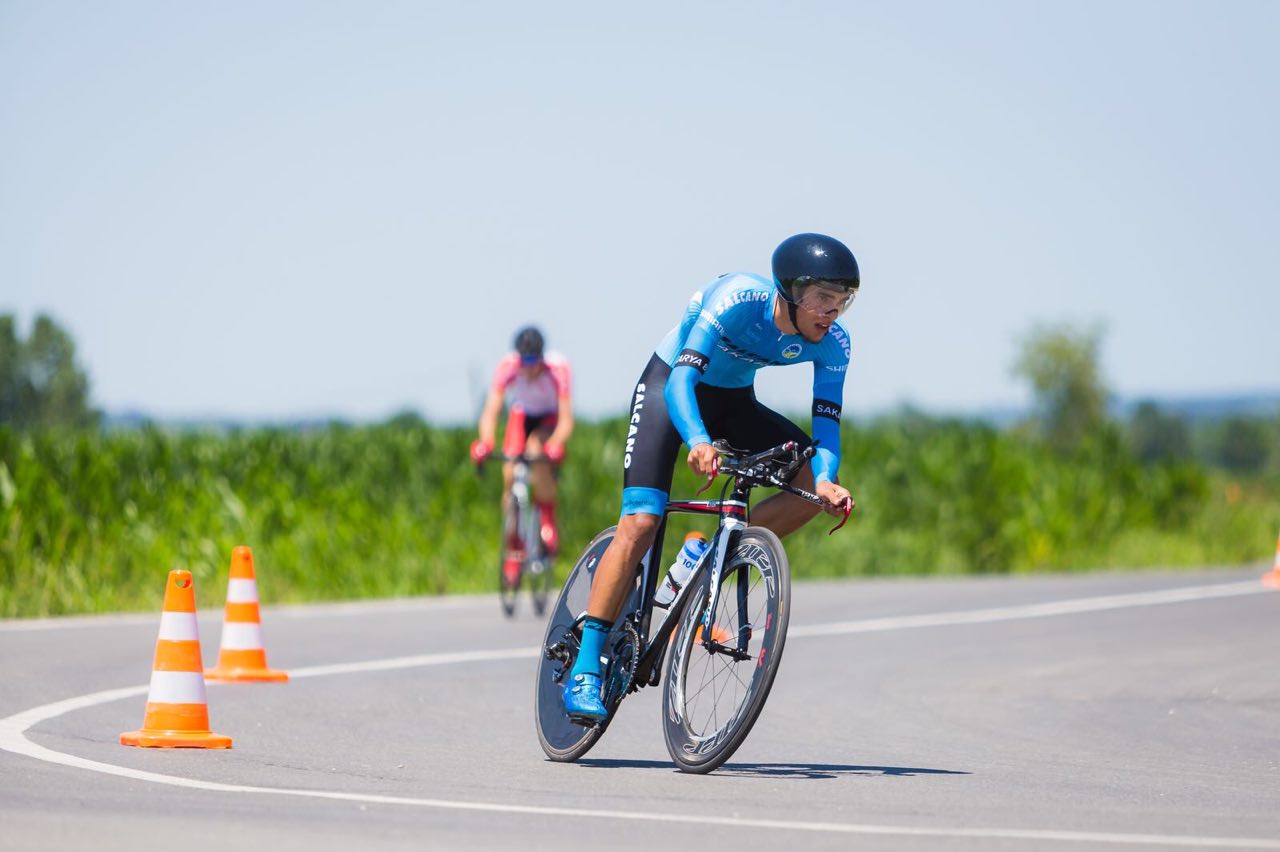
{"x": 695, "y": 544}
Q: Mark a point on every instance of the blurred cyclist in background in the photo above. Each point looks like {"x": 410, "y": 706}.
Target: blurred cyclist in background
{"x": 535, "y": 385}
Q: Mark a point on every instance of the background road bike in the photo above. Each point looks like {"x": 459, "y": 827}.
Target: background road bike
{"x": 727, "y": 626}
{"x": 522, "y": 556}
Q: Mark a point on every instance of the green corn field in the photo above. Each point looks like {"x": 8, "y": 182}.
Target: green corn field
{"x": 92, "y": 522}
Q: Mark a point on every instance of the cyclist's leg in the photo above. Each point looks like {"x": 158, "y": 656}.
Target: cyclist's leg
{"x": 514, "y": 435}
{"x": 544, "y": 481}
{"x": 538, "y": 430}
{"x": 755, "y": 427}
{"x": 508, "y": 473}
{"x": 649, "y": 456}
{"x": 783, "y": 514}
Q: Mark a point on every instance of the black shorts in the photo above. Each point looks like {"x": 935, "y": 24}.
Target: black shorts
{"x": 543, "y": 423}
{"x": 652, "y": 443}
{"x": 520, "y": 426}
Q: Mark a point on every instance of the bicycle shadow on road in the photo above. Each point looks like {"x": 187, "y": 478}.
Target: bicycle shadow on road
{"x": 777, "y": 770}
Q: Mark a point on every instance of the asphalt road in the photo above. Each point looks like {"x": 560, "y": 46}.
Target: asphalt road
{"x": 1095, "y": 711}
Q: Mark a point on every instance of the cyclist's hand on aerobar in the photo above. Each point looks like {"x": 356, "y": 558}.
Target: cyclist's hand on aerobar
{"x": 704, "y": 461}
{"x": 553, "y": 452}
{"x": 834, "y": 498}
{"x": 480, "y": 450}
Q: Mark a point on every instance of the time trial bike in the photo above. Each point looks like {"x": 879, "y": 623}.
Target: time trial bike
{"x": 726, "y": 626}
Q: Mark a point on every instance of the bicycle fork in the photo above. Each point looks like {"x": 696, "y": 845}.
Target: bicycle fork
{"x": 731, "y": 527}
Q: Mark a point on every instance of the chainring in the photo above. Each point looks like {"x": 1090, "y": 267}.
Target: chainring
{"x": 622, "y": 664}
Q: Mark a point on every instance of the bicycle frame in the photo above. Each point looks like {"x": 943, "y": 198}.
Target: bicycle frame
{"x": 733, "y": 514}
{"x": 527, "y": 522}
{"x": 734, "y": 518}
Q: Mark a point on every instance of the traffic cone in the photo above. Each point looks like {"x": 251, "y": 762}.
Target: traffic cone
{"x": 241, "y": 656}
{"x": 718, "y": 634}
{"x": 177, "y": 713}
{"x": 1272, "y": 577}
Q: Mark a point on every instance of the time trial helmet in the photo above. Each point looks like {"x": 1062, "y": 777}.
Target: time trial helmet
{"x": 814, "y": 261}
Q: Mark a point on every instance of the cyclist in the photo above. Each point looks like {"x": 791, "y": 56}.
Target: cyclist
{"x": 698, "y": 383}
{"x": 540, "y": 421}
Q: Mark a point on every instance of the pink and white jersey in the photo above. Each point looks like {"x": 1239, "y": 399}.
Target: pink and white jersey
{"x": 536, "y": 397}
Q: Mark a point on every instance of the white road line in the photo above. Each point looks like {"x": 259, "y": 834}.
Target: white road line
{"x": 282, "y": 611}
{"x": 415, "y": 662}
{"x": 13, "y": 737}
{"x": 1040, "y": 610}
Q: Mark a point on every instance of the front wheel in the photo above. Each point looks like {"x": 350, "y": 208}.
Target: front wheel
{"x": 538, "y": 564}
{"x": 720, "y": 669}
{"x": 511, "y": 556}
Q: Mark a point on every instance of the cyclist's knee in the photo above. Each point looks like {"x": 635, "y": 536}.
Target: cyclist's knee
{"x": 803, "y": 508}
{"x": 638, "y": 528}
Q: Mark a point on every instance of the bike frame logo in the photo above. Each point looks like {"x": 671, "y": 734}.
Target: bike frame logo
{"x": 702, "y": 743}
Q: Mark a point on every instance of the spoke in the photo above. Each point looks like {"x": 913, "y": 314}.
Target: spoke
{"x": 720, "y": 683}
{"x": 690, "y": 700}
{"x": 731, "y": 668}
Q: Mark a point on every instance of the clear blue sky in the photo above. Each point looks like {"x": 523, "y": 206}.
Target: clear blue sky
{"x": 297, "y": 208}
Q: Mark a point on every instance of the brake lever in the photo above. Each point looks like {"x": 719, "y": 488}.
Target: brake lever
{"x": 710, "y": 479}
{"x": 848, "y": 510}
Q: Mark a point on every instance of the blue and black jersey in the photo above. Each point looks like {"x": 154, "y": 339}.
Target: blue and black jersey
{"x": 726, "y": 335}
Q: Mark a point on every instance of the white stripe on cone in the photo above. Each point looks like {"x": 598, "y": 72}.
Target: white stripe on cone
{"x": 241, "y": 635}
{"x": 242, "y": 591}
{"x": 177, "y": 688}
{"x": 179, "y": 626}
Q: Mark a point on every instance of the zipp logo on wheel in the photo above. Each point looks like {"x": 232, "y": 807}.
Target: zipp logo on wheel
{"x": 760, "y": 558}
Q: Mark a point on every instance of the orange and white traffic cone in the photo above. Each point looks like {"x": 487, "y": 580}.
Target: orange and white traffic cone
{"x": 1272, "y": 577}
{"x": 177, "y": 711}
{"x": 241, "y": 656}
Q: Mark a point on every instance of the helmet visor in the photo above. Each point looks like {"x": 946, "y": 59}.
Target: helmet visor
{"x": 824, "y": 298}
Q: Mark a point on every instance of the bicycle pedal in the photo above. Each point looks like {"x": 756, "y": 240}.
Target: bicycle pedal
{"x": 585, "y": 721}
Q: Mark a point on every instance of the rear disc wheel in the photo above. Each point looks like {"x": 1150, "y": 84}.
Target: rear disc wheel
{"x": 563, "y": 740}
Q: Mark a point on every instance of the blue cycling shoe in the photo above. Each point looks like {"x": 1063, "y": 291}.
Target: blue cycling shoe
{"x": 582, "y": 699}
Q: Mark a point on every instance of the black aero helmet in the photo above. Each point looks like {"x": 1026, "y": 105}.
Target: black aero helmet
{"x": 528, "y": 343}
{"x": 816, "y": 259}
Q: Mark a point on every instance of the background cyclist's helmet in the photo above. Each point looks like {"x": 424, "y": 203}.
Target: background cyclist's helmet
{"x": 813, "y": 259}
{"x": 528, "y": 344}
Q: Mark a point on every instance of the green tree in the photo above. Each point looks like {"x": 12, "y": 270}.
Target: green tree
{"x": 1061, "y": 362}
{"x": 1242, "y": 444}
{"x": 1156, "y": 436}
{"x": 41, "y": 386}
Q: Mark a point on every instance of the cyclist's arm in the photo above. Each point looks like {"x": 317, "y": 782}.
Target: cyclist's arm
{"x": 502, "y": 376}
{"x": 828, "y": 393}
{"x": 488, "y": 427}
{"x": 691, "y": 363}
{"x": 564, "y": 406}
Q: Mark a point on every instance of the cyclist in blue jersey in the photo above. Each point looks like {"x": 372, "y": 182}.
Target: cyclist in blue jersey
{"x": 699, "y": 385}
